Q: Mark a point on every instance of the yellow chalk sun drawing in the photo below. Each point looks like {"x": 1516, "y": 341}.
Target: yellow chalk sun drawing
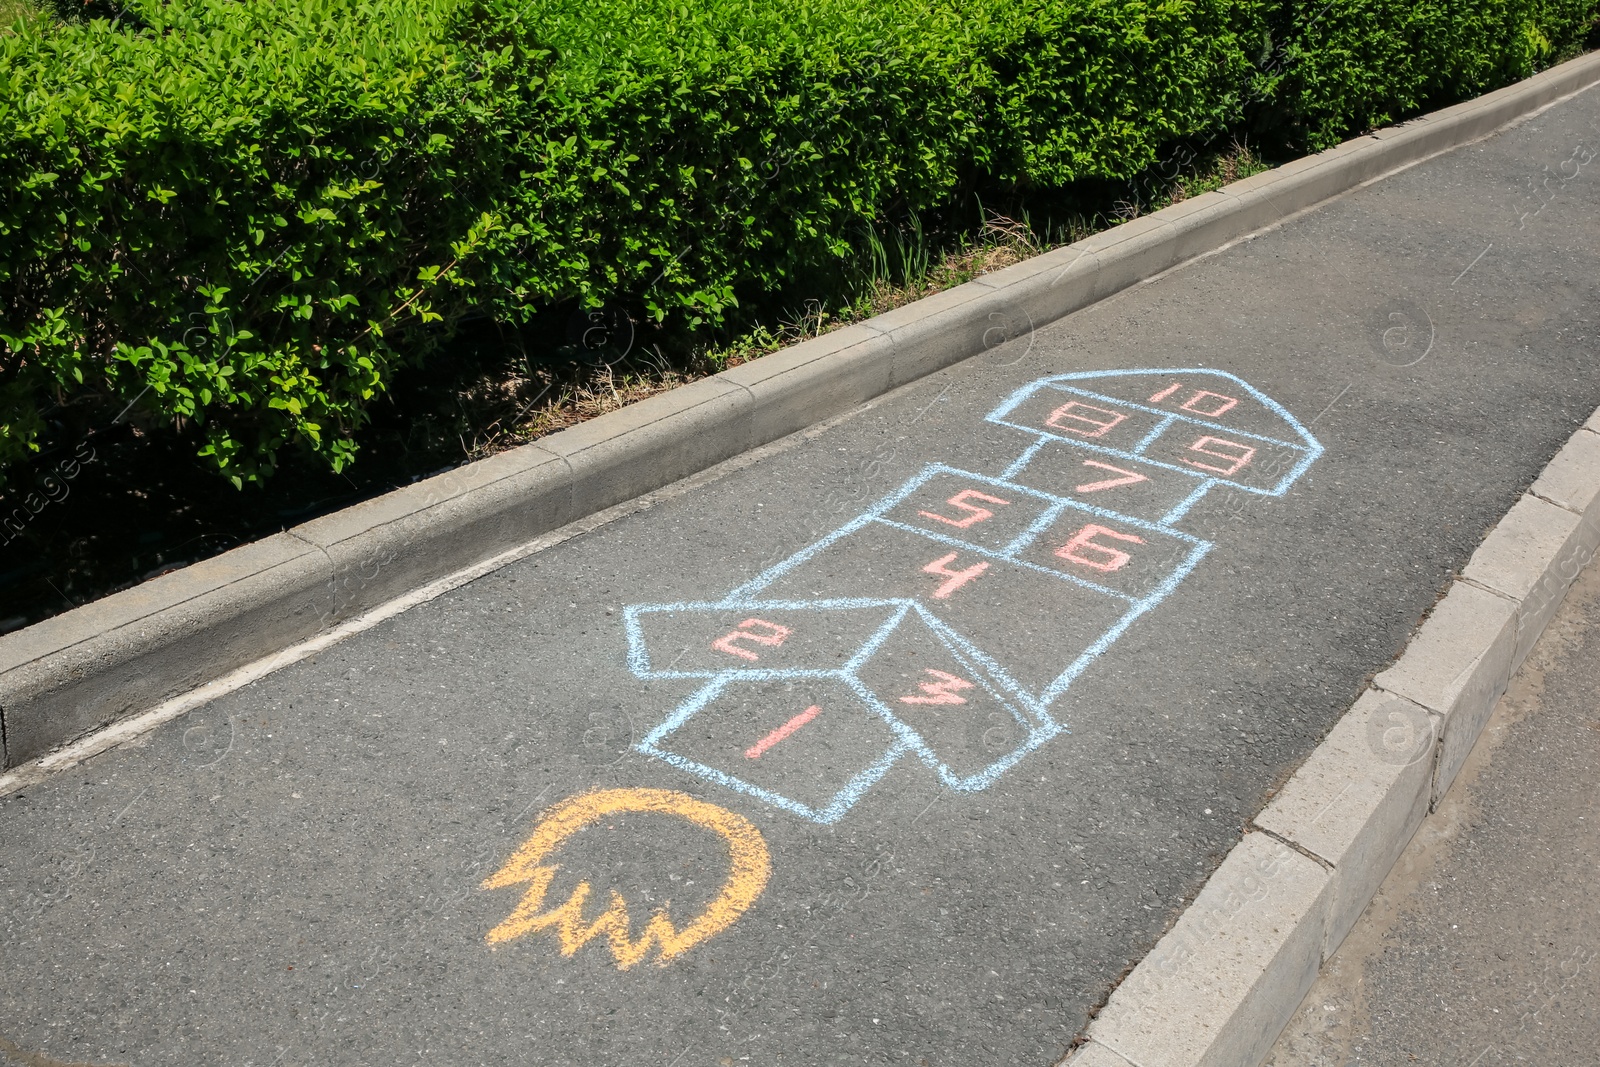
{"x": 749, "y": 864}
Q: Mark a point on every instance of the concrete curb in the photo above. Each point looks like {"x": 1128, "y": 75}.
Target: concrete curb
{"x": 1220, "y": 986}
{"x": 136, "y": 649}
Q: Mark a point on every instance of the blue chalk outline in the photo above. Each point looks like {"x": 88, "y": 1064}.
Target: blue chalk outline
{"x": 1311, "y": 447}
{"x": 1031, "y": 710}
{"x": 639, "y": 654}
{"x": 842, "y": 801}
{"x": 906, "y": 739}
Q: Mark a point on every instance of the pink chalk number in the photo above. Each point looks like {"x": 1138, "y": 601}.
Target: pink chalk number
{"x": 975, "y": 514}
{"x": 1108, "y": 558}
{"x": 774, "y": 637}
{"x": 1083, "y": 425}
{"x": 1127, "y": 478}
{"x": 940, "y": 568}
{"x": 942, "y": 691}
{"x": 1218, "y": 404}
{"x": 1233, "y": 453}
{"x": 755, "y": 750}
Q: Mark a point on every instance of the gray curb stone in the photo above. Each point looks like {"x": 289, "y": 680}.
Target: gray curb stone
{"x": 835, "y": 372}
{"x": 71, "y": 674}
{"x": 667, "y": 437}
{"x": 1531, "y": 556}
{"x": 1095, "y": 1054}
{"x": 1220, "y": 985}
{"x": 1572, "y": 481}
{"x": 1356, "y": 802}
{"x": 128, "y": 652}
{"x": 488, "y": 502}
{"x": 1457, "y": 665}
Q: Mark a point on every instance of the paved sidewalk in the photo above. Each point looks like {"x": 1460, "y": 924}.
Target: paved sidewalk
{"x": 1483, "y": 947}
{"x": 896, "y": 743}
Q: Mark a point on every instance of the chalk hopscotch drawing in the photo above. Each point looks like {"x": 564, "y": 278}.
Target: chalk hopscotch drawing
{"x": 945, "y": 621}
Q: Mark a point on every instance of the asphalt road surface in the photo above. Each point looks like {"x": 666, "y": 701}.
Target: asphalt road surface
{"x": 899, "y": 745}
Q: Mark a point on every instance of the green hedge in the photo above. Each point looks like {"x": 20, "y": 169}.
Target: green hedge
{"x": 1357, "y": 64}
{"x": 245, "y": 215}
{"x": 233, "y": 214}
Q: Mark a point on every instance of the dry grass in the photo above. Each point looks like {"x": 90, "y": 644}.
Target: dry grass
{"x": 584, "y": 394}
{"x": 1236, "y": 162}
{"x": 12, "y": 10}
